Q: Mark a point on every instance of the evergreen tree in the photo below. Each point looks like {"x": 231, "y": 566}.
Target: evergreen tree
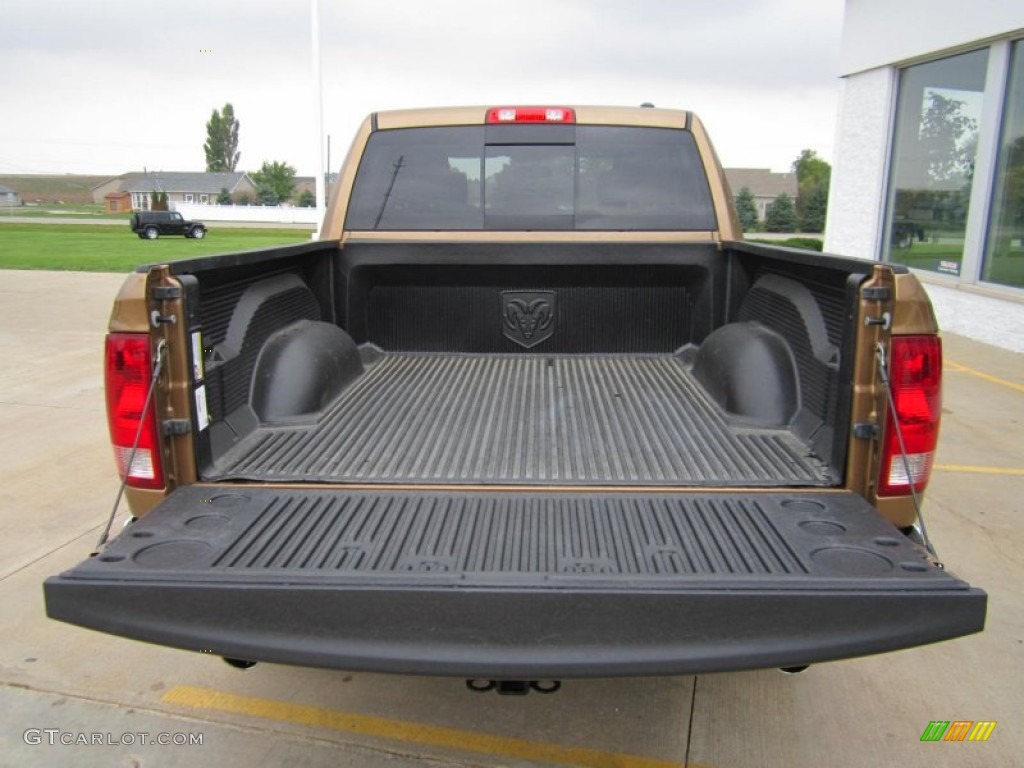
{"x": 746, "y": 209}
{"x": 265, "y": 194}
{"x": 158, "y": 201}
{"x": 815, "y": 209}
{"x": 224, "y": 197}
{"x": 781, "y": 215}
{"x": 221, "y": 145}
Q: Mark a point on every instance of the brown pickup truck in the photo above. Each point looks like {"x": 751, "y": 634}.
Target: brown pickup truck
{"x": 531, "y": 409}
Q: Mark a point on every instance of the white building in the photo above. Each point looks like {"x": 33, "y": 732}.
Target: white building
{"x": 929, "y": 156}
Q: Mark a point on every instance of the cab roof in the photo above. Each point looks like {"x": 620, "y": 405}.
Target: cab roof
{"x": 647, "y": 117}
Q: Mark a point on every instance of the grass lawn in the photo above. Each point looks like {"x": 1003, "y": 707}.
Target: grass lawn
{"x": 927, "y": 255}
{"x": 1006, "y": 269}
{"x": 806, "y": 243}
{"x": 98, "y": 248}
{"x": 67, "y": 211}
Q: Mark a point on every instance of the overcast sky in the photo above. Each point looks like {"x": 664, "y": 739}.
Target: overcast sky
{"x": 111, "y": 86}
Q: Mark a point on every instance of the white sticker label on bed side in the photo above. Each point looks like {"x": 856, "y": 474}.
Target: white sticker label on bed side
{"x": 197, "y": 356}
{"x": 202, "y": 415}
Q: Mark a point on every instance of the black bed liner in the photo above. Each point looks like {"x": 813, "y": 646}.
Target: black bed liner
{"x": 517, "y": 584}
{"x": 563, "y": 419}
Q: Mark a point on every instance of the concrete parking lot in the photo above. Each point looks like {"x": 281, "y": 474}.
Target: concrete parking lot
{"x": 61, "y": 683}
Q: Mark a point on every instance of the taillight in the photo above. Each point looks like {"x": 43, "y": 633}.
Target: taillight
{"x": 531, "y": 115}
{"x": 129, "y": 371}
{"x": 915, "y": 373}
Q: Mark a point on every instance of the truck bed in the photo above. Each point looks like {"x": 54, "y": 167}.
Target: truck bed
{"x": 509, "y": 419}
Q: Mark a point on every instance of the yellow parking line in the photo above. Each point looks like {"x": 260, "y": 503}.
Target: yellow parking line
{"x": 957, "y": 367}
{"x": 979, "y": 470}
{"x": 414, "y": 733}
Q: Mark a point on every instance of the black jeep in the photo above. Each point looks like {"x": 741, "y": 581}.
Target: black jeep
{"x": 151, "y": 224}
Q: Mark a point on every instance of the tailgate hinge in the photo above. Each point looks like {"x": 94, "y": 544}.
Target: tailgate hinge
{"x": 166, "y": 292}
{"x": 876, "y": 293}
{"x": 172, "y": 427}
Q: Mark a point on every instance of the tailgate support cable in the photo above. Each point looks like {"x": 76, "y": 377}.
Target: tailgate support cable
{"x": 158, "y": 365}
{"x": 883, "y": 369}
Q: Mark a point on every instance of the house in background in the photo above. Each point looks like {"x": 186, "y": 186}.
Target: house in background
{"x": 764, "y": 185}
{"x": 133, "y": 191}
{"x": 117, "y": 202}
{"x": 304, "y": 183}
{"x": 8, "y": 197}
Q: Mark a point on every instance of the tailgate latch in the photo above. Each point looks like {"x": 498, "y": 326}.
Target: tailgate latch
{"x": 885, "y": 321}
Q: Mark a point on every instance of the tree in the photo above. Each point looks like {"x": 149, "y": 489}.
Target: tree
{"x": 815, "y": 205}
{"x": 746, "y": 209}
{"x": 158, "y": 201}
{"x": 1009, "y": 205}
{"x": 812, "y": 177}
{"x": 306, "y": 199}
{"x": 224, "y": 197}
{"x": 265, "y": 195}
{"x": 948, "y": 139}
{"x": 781, "y": 215}
{"x": 1013, "y": 185}
{"x": 811, "y": 170}
{"x": 221, "y": 145}
{"x": 277, "y": 178}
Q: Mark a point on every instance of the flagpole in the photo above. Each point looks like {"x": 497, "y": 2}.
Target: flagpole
{"x": 318, "y": 96}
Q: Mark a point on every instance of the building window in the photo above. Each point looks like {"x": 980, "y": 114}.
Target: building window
{"x": 189, "y": 198}
{"x": 938, "y": 117}
{"x": 1004, "y": 252}
{"x": 204, "y": 199}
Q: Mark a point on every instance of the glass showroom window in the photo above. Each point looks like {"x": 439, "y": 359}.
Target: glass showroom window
{"x": 1004, "y": 253}
{"x": 938, "y": 116}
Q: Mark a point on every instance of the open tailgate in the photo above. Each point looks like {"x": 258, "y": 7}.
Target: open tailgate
{"x": 521, "y": 585}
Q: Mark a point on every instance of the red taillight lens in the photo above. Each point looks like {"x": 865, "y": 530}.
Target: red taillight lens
{"x": 531, "y": 115}
{"x": 128, "y": 373}
{"x": 915, "y": 373}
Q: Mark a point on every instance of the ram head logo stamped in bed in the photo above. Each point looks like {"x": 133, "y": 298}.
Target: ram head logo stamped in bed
{"x": 528, "y": 317}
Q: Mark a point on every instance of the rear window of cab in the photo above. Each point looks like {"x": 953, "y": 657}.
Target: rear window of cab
{"x": 531, "y": 177}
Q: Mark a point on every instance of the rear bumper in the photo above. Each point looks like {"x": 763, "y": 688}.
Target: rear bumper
{"x": 519, "y": 586}
{"x": 515, "y": 634}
